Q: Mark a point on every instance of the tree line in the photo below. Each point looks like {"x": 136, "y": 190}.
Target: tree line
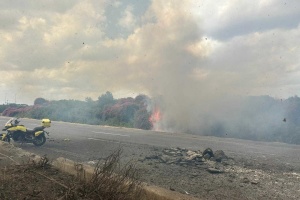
{"x": 106, "y": 110}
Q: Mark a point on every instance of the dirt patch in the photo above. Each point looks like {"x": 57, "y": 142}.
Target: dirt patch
{"x": 28, "y": 182}
{"x": 39, "y": 180}
{"x": 23, "y": 177}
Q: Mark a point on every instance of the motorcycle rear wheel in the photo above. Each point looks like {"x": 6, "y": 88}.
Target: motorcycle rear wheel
{"x": 39, "y": 140}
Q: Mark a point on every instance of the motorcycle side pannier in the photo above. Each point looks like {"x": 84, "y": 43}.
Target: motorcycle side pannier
{"x": 46, "y": 123}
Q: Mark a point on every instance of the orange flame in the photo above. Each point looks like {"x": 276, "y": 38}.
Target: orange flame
{"x": 156, "y": 116}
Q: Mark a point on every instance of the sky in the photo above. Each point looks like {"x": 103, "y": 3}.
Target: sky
{"x": 167, "y": 49}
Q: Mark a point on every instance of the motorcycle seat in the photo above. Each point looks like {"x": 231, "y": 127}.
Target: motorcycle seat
{"x": 39, "y": 128}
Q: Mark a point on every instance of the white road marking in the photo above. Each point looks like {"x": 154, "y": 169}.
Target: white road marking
{"x": 95, "y": 139}
{"x": 111, "y": 133}
{"x": 103, "y": 140}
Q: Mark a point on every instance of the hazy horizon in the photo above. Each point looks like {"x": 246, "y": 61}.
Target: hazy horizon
{"x": 180, "y": 53}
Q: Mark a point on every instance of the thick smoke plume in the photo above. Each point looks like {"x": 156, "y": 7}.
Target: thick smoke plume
{"x": 182, "y": 86}
{"x": 194, "y": 91}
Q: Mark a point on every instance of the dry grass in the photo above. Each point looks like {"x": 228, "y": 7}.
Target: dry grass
{"x": 42, "y": 163}
{"x": 39, "y": 180}
{"x": 110, "y": 180}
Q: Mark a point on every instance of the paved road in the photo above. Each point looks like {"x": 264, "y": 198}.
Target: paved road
{"x": 87, "y": 142}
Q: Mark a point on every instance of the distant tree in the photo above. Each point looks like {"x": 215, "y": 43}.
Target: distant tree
{"x": 88, "y": 99}
{"x": 141, "y": 120}
{"x": 292, "y": 109}
{"x": 142, "y": 99}
{"x": 127, "y": 111}
{"x": 40, "y": 101}
{"x": 105, "y": 99}
{"x": 3, "y": 107}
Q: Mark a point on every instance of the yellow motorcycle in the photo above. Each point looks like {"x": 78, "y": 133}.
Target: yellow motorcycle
{"x": 19, "y": 133}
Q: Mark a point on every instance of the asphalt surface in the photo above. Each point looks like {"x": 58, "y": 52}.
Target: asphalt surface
{"x": 85, "y": 143}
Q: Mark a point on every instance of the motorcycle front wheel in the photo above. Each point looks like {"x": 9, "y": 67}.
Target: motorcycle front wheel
{"x": 6, "y": 139}
{"x": 39, "y": 140}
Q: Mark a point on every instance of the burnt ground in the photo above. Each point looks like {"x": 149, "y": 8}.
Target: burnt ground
{"x": 231, "y": 178}
{"x": 182, "y": 170}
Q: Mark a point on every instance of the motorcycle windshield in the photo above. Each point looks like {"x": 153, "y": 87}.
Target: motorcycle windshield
{"x": 9, "y": 122}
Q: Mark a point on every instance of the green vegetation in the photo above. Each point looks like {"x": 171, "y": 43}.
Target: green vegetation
{"x": 126, "y": 112}
{"x": 3, "y": 107}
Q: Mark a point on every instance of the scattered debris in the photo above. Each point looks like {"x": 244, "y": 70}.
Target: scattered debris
{"x": 185, "y": 157}
{"x": 172, "y": 189}
{"x": 92, "y": 162}
{"x": 208, "y": 153}
{"x": 245, "y": 180}
{"x": 219, "y": 155}
{"x": 214, "y": 170}
{"x": 254, "y": 182}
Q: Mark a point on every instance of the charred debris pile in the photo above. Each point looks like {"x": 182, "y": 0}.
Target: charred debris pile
{"x": 212, "y": 161}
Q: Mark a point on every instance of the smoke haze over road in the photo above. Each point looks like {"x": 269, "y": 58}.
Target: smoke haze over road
{"x": 197, "y": 59}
